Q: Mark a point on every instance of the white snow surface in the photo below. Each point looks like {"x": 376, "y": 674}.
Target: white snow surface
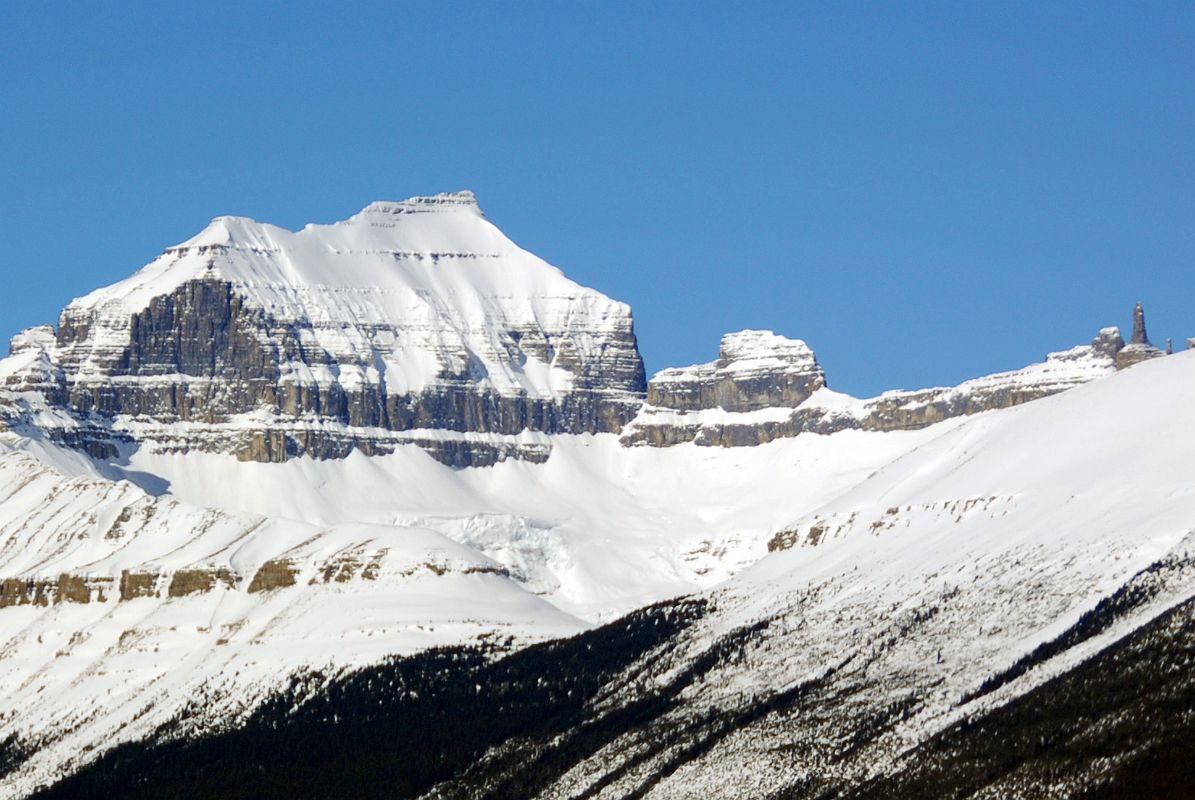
{"x": 512, "y": 554}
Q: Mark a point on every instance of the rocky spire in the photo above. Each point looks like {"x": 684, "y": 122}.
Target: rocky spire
{"x": 1138, "y": 349}
{"x": 1139, "y": 335}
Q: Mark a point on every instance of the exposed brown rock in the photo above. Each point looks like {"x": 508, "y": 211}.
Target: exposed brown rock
{"x": 65, "y": 588}
{"x": 197, "y": 581}
{"x": 138, "y": 584}
{"x": 783, "y": 540}
{"x": 73, "y": 589}
{"x": 276, "y": 574}
{"x": 1136, "y": 353}
{"x": 16, "y": 592}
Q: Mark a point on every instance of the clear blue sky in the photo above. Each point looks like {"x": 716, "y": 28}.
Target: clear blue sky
{"x": 923, "y": 192}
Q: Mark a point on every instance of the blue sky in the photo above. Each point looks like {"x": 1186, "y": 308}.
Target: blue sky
{"x": 923, "y": 192}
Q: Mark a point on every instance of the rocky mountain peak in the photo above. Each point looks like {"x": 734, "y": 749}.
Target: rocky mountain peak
{"x": 758, "y": 349}
{"x": 40, "y": 337}
{"x": 412, "y": 316}
{"x": 463, "y": 200}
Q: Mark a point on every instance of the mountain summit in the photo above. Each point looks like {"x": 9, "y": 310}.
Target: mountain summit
{"x": 405, "y": 319}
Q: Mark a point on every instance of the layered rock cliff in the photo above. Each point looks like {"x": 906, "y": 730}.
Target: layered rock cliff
{"x": 415, "y": 322}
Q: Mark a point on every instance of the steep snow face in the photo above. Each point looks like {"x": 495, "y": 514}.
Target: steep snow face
{"x": 412, "y": 315}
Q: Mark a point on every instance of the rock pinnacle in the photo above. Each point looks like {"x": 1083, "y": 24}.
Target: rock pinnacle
{"x": 1139, "y": 335}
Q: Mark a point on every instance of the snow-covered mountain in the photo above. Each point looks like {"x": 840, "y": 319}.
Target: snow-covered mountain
{"x": 236, "y": 486}
{"x": 412, "y": 321}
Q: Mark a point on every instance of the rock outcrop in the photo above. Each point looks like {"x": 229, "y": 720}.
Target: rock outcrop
{"x": 751, "y": 394}
{"x": 754, "y": 370}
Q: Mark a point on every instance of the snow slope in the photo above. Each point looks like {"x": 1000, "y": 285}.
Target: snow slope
{"x": 389, "y": 554}
{"x": 79, "y": 675}
{"x": 902, "y": 605}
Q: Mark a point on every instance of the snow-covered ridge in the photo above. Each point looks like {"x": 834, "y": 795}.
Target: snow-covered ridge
{"x": 782, "y": 376}
{"x": 463, "y": 200}
{"x": 419, "y": 316}
{"x": 451, "y": 223}
{"x": 411, "y": 315}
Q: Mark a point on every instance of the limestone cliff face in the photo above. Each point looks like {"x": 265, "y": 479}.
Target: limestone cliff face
{"x": 414, "y": 322}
